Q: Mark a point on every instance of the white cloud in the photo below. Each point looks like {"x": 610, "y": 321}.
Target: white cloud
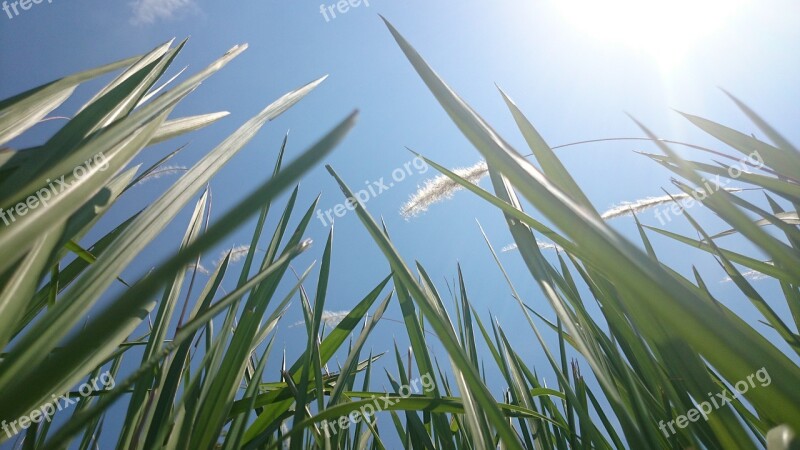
{"x": 149, "y": 11}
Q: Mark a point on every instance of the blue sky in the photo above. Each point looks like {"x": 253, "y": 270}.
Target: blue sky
{"x": 574, "y": 81}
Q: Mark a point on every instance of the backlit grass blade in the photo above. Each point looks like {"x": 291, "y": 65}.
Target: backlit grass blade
{"x": 22, "y": 111}
{"x": 66, "y": 201}
{"x": 139, "y": 64}
{"x": 550, "y": 163}
{"x": 60, "y": 153}
{"x": 67, "y": 275}
{"x": 23, "y": 282}
{"x": 782, "y": 161}
{"x": 121, "y": 130}
{"x": 178, "y": 127}
{"x": 765, "y": 127}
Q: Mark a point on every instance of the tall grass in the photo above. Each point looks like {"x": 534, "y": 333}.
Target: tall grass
{"x": 664, "y": 343}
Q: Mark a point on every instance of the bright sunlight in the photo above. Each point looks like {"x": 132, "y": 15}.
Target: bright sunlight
{"x": 666, "y": 30}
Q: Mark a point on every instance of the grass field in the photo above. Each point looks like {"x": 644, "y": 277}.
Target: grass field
{"x": 671, "y": 365}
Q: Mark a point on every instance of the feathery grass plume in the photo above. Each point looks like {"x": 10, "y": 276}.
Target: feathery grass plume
{"x": 752, "y": 275}
{"x": 441, "y": 188}
{"x": 627, "y": 208}
{"x": 162, "y": 172}
{"x": 237, "y": 253}
{"x": 541, "y": 244}
{"x": 333, "y": 318}
{"x": 329, "y": 318}
{"x": 198, "y": 267}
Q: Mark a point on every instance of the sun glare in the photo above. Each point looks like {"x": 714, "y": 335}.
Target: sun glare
{"x": 665, "y": 29}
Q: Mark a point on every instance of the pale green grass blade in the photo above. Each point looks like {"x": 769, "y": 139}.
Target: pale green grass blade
{"x": 84, "y": 293}
{"x": 178, "y": 127}
{"x": 63, "y": 205}
{"x": 23, "y": 282}
{"x": 22, "y": 111}
{"x": 786, "y": 189}
{"x": 766, "y": 128}
{"x": 518, "y": 390}
{"x": 468, "y": 334}
{"x": 789, "y": 218}
{"x": 67, "y": 275}
{"x": 319, "y": 309}
{"x": 782, "y": 161}
{"x": 139, "y": 64}
{"x": 76, "y": 226}
{"x": 87, "y": 216}
{"x": 738, "y": 258}
{"x": 52, "y": 158}
{"x": 123, "y": 106}
{"x": 121, "y": 130}
{"x": 551, "y": 165}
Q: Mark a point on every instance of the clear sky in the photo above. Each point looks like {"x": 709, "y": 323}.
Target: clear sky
{"x": 573, "y": 68}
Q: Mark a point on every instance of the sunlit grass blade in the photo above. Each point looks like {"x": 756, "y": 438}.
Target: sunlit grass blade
{"x": 550, "y": 163}
{"x": 22, "y": 111}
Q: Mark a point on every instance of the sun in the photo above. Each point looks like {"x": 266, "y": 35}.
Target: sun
{"x": 665, "y": 29}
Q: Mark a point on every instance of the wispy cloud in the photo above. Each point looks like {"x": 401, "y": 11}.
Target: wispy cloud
{"x": 542, "y": 245}
{"x": 752, "y": 275}
{"x": 149, "y": 11}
